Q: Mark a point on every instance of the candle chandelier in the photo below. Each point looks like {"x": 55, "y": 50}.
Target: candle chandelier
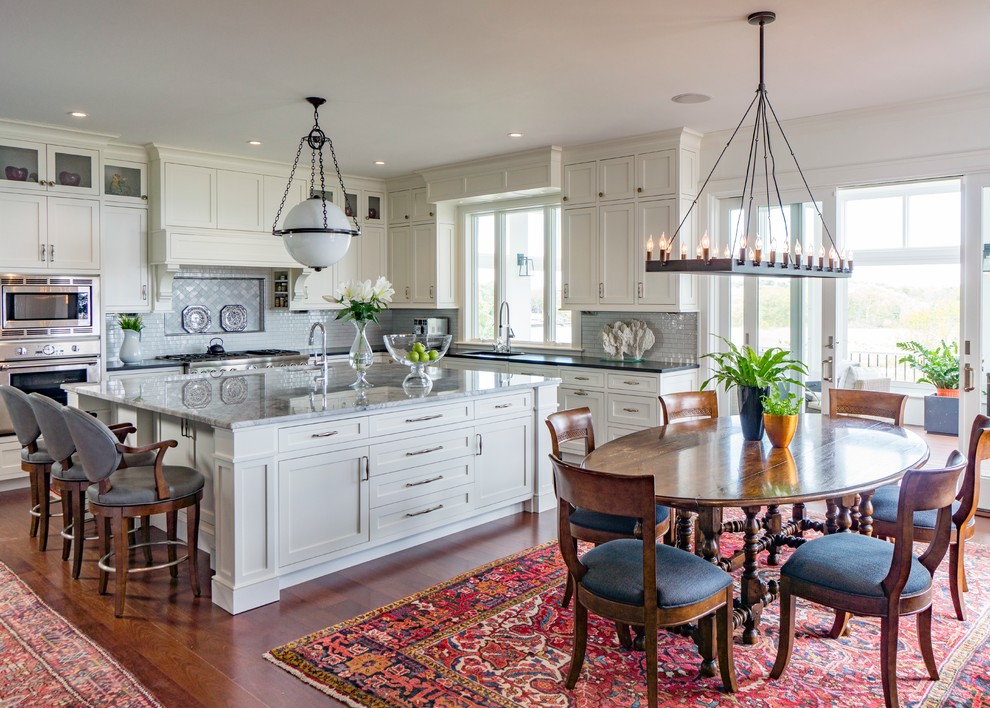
{"x": 747, "y": 256}
{"x": 316, "y": 232}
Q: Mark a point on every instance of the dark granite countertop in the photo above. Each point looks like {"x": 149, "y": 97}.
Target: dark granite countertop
{"x": 653, "y": 366}
{"x": 115, "y": 366}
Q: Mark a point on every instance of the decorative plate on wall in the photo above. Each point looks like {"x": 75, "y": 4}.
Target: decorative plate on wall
{"x": 233, "y": 318}
{"x": 196, "y": 318}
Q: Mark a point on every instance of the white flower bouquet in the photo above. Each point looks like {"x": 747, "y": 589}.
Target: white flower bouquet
{"x": 363, "y": 301}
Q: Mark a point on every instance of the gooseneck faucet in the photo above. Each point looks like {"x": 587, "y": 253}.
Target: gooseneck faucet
{"x": 503, "y": 342}
{"x": 323, "y": 357}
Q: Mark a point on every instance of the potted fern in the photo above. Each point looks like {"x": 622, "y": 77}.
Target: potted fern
{"x": 753, "y": 374}
{"x": 130, "y": 349}
{"x": 938, "y": 366}
{"x": 780, "y": 415}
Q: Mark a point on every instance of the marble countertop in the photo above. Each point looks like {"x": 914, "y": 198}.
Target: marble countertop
{"x": 655, "y": 366}
{"x": 264, "y": 396}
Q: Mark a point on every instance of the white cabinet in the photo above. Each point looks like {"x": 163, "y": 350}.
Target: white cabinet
{"x": 322, "y": 504}
{"x": 240, "y": 201}
{"x": 11, "y": 474}
{"x": 615, "y": 178}
{"x": 504, "y": 466}
{"x": 579, "y": 257}
{"x": 47, "y": 232}
{"x": 654, "y": 218}
{"x": 597, "y": 264}
{"x": 125, "y": 182}
{"x": 409, "y": 205}
{"x": 580, "y": 184}
{"x": 365, "y": 260}
{"x": 51, "y": 168}
{"x": 422, "y": 264}
{"x": 125, "y": 264}
{"x": 274, "y": 191}
{"x": 190, "y": 196}
{"x": 656, "y": 174}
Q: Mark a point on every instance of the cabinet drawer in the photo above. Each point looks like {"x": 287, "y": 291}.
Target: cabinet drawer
{"x": 582, "y": 378}
{"x": 419, "y": 481}
{"x": 633, "y": 411}
{"x": 534, "y": 370}
{"x": 422, "y": 513}
{"x": 503, "y": 405}
{"x": 422, "y": 450}
{"x": 635, "y": 383}
{"x": 679, "y": 382}
{"x": 312, "y": 435}
{"x": 420, "y": 418}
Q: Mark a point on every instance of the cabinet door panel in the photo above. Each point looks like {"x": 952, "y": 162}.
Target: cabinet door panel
{"x": 655, "y": 173}
{"x": 125, "y": 268}
{"x": 240, "y": 201}
{"x": 190, "y": 196}
{"x": 616, "y": 236}
{"x": 424, "y": 277}
{"x": 73, "y": 170}
{"x": 274, "y": 190}
{"x": 23, "y": 229}
{"x": 422, "y": 210}
{"x": 579, "y": 255}
{"x": 445, "y": 267}
{"x": 615, "y": 178}
{"x": 399, "y": 206}
{"x": 400, "y": 255}
{"x": 580, "y": 183}
{"x": 374, "y": 263}
{"x": 323, "y": 505}
{"x": 504, "y": 467}
{"x": 73, "y": 233}
{"x": 655, "y": 219}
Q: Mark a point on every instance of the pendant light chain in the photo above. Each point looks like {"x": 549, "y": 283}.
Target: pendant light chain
{"x": 288, "y": 186}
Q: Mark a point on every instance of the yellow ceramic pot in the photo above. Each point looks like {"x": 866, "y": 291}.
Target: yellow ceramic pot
{"x": 780, "y": 428}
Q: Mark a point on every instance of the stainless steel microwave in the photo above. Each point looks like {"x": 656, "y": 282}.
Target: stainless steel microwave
{"x": 44, "y": 306}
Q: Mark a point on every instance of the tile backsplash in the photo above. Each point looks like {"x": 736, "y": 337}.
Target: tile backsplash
{"x": 214, "y": 294}
{"x": 676, "y": 333}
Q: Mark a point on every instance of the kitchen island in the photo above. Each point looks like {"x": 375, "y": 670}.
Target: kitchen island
{"x": 305, "y": 478}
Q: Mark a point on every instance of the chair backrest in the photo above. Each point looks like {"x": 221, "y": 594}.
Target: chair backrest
{"x": 22, "y": 416}
{"x": 923, "y": 490}
{"x": 969, "y": 491}
{"x": 95, "y": 444}
{"x": 691, "y": 404}
{"x": 573, "y": 424}
{"x": 622, "y": 495}
{"x": 58, "y": 439}
{"x": 872, "y": 404}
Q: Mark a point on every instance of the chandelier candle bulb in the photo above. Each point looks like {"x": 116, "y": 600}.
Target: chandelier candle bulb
{"x": 697, "y": 252}
{"x": 797, "y": 255}
{"x": 742, "y": 252}
{"x": 811, "y": 252}
{"x": 751, "y": 255}
{"x": 821, "y": 258}
{"x": 649, "y": 249}
{"x": 773, "y": 252}
{"x": 849, "y": 262}
{"x": 683, "y": 251}
{"x": 759, "y": 251}
{"x": 784, "y": 256}
{"x": 832, "y": 256}
{"x": 726, "y": 253}
{"x": 705, "y": 248}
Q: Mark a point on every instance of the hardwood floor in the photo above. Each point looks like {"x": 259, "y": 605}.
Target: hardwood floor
{"x": 189, "y": 652}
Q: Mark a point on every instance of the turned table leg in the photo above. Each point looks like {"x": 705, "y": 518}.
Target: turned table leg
{"x": 684, "y": 528}
{"x": 752, "y": 586}
{"x": 866, "y": 513}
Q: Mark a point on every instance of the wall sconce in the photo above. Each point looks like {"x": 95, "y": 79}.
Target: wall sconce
{"x": 525, "y": 265}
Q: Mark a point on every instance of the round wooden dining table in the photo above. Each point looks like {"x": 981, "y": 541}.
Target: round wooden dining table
{"x": 705, "y": 466}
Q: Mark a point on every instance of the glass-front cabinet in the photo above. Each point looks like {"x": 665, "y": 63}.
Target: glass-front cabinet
{"x": 53, "y": 168}
{"x": 125, "y": 182}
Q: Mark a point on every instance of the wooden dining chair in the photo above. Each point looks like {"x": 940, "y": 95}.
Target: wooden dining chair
{"x": 885, "y": 511}
{"x": 635, "y": 581}
{"x": 888, "y": 407}
{"x": 862, "y": 575}
{"x": 690, "y": 404}
{"x": 587, "y": 525}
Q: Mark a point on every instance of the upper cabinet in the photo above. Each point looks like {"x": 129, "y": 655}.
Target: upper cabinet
{"x": 409, "y": 206}
{"x": 422, "y": 250}
{"x": 51, "y": 168}
{"x": 49, "y": 232}
{"x": 190, "y": 196}
{"x": 125, "y": 182}
{"x": 274, "y": 190}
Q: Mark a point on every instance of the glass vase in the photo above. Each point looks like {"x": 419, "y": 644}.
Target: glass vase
{"x": 360, "y": 356}
{"x": 130, "y": 348}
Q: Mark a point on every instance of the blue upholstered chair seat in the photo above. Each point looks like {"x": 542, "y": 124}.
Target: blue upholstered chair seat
{"x": 885, "y": 509}
{"x": 136, "y": 485}
{"x": 615, "y": 572}
{"x": 851, "y": 563}
{"x": 77, "y": 473}
{"x": 41, "y": 456}
{"x": 611, "y": 523}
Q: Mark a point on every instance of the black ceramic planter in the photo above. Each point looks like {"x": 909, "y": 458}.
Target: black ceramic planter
{"x": 751, "y": 411}
{"x": 941, "y": 415}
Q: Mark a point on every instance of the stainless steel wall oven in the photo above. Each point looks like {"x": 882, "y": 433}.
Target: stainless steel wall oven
{"x": 48, "y": 306}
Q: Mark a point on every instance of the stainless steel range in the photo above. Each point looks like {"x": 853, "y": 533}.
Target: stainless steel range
{"x": 237, "y": 361}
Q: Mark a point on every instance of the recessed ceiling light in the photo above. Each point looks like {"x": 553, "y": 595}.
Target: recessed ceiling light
{"x": 515, "y": 135}
{"x": 78, "y": 114}
{"x": 690, "y": 98}
{"x": 379, "y": 162}
{"x": 254, "y": 142}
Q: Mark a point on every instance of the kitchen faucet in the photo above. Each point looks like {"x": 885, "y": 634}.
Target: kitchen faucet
{"x": 312, "y": 335}
{"x": 503, "y": 342}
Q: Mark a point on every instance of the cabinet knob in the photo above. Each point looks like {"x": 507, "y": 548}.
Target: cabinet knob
{"x": 639, "y": 189}
{"x": 565, "y": 199}
{"x": 144, "y": 197}
{"x": 431, "y": 213}
{"x": 407, "y": 216}
{"x": 601, "y": 194}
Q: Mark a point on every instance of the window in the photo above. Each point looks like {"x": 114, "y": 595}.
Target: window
{"x": 905, "y": 240}
{"x": 515, "y": 257}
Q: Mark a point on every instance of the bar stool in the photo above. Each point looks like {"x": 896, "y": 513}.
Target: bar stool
{"x": 35, "y": 460}
{"x": 119, "y": 494}
{"x": 69, "y": 479}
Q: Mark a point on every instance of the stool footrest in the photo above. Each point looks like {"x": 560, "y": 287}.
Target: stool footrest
{"x": 144, "y": 569}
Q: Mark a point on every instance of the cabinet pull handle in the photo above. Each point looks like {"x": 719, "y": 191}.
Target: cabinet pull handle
{"x": 424, "y": 511}
{"x": 481, "y": 444}
{"x": 580, "y": 393}
{"x": 639, "y": 290}
{"x": 505, "y": 405}
{"x": 565, "y": 284}
{"x": 324, "y": 435}
{"x": 631, "y": 410}
{"x": 581, "y": 378}
{"x": 407, "y": 287}
{"x": 425, "y": 481}
{"x": 51, "y": 254}
{"x": 425, "y": 417}
{"x": 43, "y": 247}
{"x": 431, "y": 292}
{"x": 601, "y": 289}
{"x": 367, "y": 468}
{"x": 423, "y": 452}
{"x": 144, "y": 292}
{"x": 631, "y": 383}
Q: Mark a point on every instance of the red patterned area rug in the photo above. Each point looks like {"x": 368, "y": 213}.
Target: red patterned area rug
{"x": 497, "y": 636}
{"x": 45, "y": 661}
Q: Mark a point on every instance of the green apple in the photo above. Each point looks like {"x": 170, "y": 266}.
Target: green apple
{"x": 418, "y": 347}
{"x": 433, "y": 354}
{"x": 413, "y": 356}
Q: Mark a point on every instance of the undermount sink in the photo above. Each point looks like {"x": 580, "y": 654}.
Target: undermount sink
{"x": 490, "y": 352}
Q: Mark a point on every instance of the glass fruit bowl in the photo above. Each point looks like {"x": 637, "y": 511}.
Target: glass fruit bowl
{"x": 417, "y": 351}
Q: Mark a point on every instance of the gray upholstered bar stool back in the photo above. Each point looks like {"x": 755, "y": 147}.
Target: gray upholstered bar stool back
{"x": 35, "y": 459}
{"x": 119, "y": 494}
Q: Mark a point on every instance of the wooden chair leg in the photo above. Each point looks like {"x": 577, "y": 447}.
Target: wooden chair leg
{"x": 44, "y": 501}
{"x": 192, "y": 538}
{"x": 925, "y": 642}
{"x": 172, "y": 526}
{"x": 840, "y": 625}
{"x": 957, "y": 577}
{"x": 706, "y": 645}
{"x": 79, "y": 530}
{"x": 888, "y": 657}
{"x": 568, "y": 591}
{"x": 119, "y": 563}
{"x": 146, "y": 539}
{"x": 650, "y": 647}
{"x": 726, "y": 656}
{"x": 67, "y": 516}
{"x": 625, "y": 638}
{"x": 785, "y": 641}
{"x": 106, "y": 538}
{"x": 580, "y": 643}
{"x": 34, "y": 477}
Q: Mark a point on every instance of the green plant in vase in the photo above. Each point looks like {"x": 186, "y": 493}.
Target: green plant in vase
{"x": 131, "y": 325}
{"x": 753, "y": 374}
{"x": 938, "y": 366}
{"x": 780, "y": 415}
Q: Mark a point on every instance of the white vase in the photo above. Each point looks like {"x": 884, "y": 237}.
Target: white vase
{"x": 130, "y": 349}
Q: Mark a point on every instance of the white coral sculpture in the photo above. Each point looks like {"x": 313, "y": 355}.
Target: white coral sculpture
{"x": 622, "y": 338}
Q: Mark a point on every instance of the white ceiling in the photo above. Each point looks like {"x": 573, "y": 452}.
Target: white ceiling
{"x": 428, "y": 82}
